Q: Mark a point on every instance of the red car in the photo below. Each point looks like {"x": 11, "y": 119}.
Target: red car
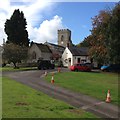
{"x": 80, "y": 67}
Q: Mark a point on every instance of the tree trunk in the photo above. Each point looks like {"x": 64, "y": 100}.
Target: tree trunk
{"x": 15, "y": 67}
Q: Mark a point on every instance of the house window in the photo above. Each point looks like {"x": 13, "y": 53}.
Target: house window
{"x": 66, "y": 60}
{"x": 69, "y": 59}
{"x": 34, "y": 55}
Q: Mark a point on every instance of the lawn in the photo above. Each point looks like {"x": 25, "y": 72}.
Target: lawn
{"x": 20, "y": 69}
{"x": 0, "y": 98}
{"x": 20, "y": 101}
{"x": 89, "y": 83}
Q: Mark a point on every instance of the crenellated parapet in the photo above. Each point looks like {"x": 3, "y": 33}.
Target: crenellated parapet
{"x": 64, "y": 30}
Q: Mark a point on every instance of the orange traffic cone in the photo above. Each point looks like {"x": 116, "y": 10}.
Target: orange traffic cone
{"x": 108, "y": 99}
{"x": 58, "y": 69}
{"x": 52, "y": 80}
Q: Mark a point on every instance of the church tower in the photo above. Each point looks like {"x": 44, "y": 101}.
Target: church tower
{"x": 64, "y": 37}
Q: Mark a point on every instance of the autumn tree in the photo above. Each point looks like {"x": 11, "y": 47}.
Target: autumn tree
{"x": 14, "y": 53}
{"x": 98, "y": 49}
{"x": 96, "y": 41}
{"x": 15, "y": 28}
{"x": 104, "y": 41}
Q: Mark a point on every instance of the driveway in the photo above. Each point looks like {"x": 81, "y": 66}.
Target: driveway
{"x": 35, "y": 79}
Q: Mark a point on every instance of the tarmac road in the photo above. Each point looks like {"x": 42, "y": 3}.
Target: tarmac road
{"x": 35, "y": 79}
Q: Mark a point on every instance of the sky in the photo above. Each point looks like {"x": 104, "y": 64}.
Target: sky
{"x": 45, "y": 17}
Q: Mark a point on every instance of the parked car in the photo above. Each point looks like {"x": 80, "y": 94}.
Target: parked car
{"x": 111, "y": 68}
{"x": 80, "y": 67}
{"x": 104, "y": 67}
{"x": 45, "y": 64}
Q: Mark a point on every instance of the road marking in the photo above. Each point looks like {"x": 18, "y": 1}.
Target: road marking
{"x": 91, "y": 105}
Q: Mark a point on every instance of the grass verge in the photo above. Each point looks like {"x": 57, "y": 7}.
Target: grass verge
{"x": 20, "y": 69}
{"x": 0, "y": 97}
{"x": 20, "y": 101}
{"x": 89, "y": 83}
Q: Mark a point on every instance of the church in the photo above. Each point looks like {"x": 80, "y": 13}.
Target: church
{"x": 64, "y": 50}
{"x": 40, "y": 51}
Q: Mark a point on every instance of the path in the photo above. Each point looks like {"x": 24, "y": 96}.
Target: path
{"x": 35, "y": 80}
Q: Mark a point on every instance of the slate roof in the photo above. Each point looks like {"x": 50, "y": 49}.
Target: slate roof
{"x": 43, "y": 48}
{"x": 54, "y": 45}
{"x": 83, "y": 51}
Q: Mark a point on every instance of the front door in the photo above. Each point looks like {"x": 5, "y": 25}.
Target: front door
{"x": 78, "y": 60}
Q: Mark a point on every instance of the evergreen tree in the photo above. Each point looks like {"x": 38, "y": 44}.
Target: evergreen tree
{"x": 85, "y": 42}
{"x": 113, "y": 35}
{"x": 15, "y": 28}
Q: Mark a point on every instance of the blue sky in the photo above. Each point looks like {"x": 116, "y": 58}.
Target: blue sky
{"x": 45, "y": 18}
{"x": 76, "y": 16}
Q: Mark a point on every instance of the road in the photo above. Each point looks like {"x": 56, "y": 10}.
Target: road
{"x": 35, "y": 79}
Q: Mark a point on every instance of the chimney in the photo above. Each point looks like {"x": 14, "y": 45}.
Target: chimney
{"x": 68, "y": 45}
{"x": 3, "y": 41}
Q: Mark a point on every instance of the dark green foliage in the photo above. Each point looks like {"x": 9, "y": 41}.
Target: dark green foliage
{"x": 113, "y": 35}
{"x": 15, "y": 28}
{"x": 85, "y": 42}
{"x": 14, "y": 53}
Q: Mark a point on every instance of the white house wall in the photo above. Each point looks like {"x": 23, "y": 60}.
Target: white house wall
{"x": 65, "y": 57}
{"x": 75, "y": 59}
{"x": 88, "y": 59}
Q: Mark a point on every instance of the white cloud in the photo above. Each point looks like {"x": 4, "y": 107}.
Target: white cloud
{"x": 33, "y": 11}
{"x": 47, "y": 31}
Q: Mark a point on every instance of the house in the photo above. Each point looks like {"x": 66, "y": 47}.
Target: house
{"x": 39, "y": 51}
{"x": 57, "y": 50}
{"x": 72, "y": 55}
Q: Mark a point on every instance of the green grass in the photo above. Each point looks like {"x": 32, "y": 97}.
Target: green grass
{"x": 89, "y": 83}
{"x": 20, "y": 69}
{"x": 20, "y": 101}
{"x": 0, "y": 98}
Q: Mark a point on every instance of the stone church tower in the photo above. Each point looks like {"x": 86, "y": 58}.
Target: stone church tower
{"x": 64, "y": 37}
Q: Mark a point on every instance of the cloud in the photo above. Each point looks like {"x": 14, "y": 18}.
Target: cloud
{"x": 47, "y": 31}
{"x": 34, "y": 10}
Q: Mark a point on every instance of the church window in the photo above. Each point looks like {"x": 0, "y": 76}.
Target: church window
{"x": 34, "y": 55}
{"x": 62, "y": 38}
